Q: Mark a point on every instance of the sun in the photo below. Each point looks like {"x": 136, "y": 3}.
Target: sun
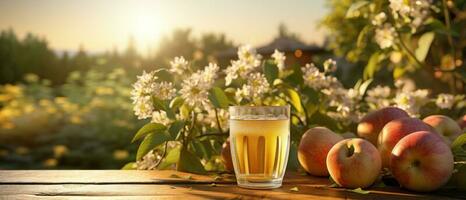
{"x": 146, "y": 30}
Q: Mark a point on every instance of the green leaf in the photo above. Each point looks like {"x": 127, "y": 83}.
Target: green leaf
{"x": 172, "y": 158}
{"x": 423, "y": 45}
{"x": 159, "y": 104}
{"x": 149, "y": 128}
{"x": 362, "y": 36}
{"x": 293, "y": 162}
{"x": 372, "y": 66}
{"x": 363, "y": 87}
{"x": 312, "y": 95}
{"x": 324, "y": 120}
{"x": 458, "y": 147}
{"x": 176, "y": 103}
{"x": 218, "y": 98}
{"x": 174, "y": 176}
{"x": 189, "y": 162}
{"x": 270, "y": 72}
{"x": 129, "y": 166}
{"x": 295, "y": 99}
{"x": 150, "y": 142}
{"x": 175, "y": 128}
{"x": 360, "y": 191}
{"x": 296, "y": 78}
{"x": 354, "y": 7}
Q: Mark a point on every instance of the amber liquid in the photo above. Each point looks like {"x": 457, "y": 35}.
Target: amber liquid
{"x": 259, "y": 148}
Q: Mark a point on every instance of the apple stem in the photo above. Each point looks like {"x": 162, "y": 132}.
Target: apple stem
{"x": 350, "y": 151}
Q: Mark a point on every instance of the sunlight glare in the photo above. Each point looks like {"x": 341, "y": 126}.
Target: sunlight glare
{"x": 146, "y": 30}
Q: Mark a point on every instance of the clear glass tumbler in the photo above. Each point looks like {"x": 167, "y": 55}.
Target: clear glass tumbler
{"x": 260, "y": 141}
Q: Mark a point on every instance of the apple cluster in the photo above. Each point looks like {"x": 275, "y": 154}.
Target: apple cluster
{"x": 416, "y": 152}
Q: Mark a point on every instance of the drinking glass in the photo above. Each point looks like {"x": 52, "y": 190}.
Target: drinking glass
{"x": 260, "y": 141}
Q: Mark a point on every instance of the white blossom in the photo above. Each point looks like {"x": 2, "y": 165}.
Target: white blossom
{"x": 445, "y": 101}
{"x": 411, "y": 12}
{"x": 145, "y": 89}
{"x": 143, "y": 107}
{"x": 412, "y": 101}
{"x": 141, "y": 95}
{"x": 248, "y": 62}
{"x": 378, "y": 97}
{"x": 385, "y": 36}
{"x": 210, "y": 73}
{"x": 164, "y": 90}
{"x": 149, "y": 161}
{"x": 330, "y": 65}
{"x": 160, "y": 117}
{"x": 179, "y": 65}
{"x": 379, "y": 19}
{"x": 210, "y": 119}
{"x": 248, "y": 54}
{"x": 194, "y": 89}
{"x": 399, "y": 6}
{"x": 279, "y": 59}
{"x": 255, "y": 87}
{"x": 317, "y": 80}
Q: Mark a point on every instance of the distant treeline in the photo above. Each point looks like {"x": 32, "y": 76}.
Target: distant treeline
{"x": 32, "y": 54}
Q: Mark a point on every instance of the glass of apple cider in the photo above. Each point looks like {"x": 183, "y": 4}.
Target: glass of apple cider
{"x": 260, "y": 141}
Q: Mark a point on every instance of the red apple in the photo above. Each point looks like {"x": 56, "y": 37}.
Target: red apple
{"x": 370, "y": 125}
{"x": 393, "y": 131}
{"x": 313, "y": 149}
{"x": 422, "y": 161}
{"x": 226, "y": 156}
{"x": 354, "y": 163}
{"x": 444, "y": 126}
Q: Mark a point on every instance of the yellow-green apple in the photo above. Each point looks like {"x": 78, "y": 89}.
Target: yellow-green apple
{"x": 444, "y": 126}
{"x": 393, "y": 131}
{"x": 226, "y": 156}
{"x": 354, "y": 163}
{"x": 370, "y": 125}
{"x": 313, "y": 149}
{"x": 421, "y": 161}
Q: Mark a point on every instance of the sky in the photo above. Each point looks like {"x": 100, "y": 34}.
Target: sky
{"x": 100, "y": 25}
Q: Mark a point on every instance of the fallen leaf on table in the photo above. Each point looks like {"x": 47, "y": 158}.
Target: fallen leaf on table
{"x": 294, "y": 189}
{"x": 174, "y": 176}
{"x": 361, "y": 191}
{"x": 213, "y": 185}
{"x": 189, "y": 177}
{"x": 333, "y": 185}
{"x": 218, "y": 178}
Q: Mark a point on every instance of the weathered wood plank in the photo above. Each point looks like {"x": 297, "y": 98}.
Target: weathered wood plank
{"x": 106, "y": 177}
{"x": 195, "y": 191}
{"x": 127, "y": 177}
{"x": 107, "y": 183}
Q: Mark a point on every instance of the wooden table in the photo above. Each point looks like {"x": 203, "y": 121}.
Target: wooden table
{"x": 129, "y": 184}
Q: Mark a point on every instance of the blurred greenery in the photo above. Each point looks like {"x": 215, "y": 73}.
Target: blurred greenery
{"x": 428, "y": 42}
{"x": 73, "y": 110}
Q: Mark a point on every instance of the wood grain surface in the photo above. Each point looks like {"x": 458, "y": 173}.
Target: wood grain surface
{"x": 130, "y": 184}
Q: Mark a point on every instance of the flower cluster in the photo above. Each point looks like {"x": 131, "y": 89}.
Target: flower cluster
{"x": 145, "y": 89}
{"x": 248, "y": 62}
{"x": 194, "y": 90}
{"x": 195, "y": 115}
{"x": 412, "y": 12}
{"x": 345, "y": 100}
{"x": 405, "y": 96}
